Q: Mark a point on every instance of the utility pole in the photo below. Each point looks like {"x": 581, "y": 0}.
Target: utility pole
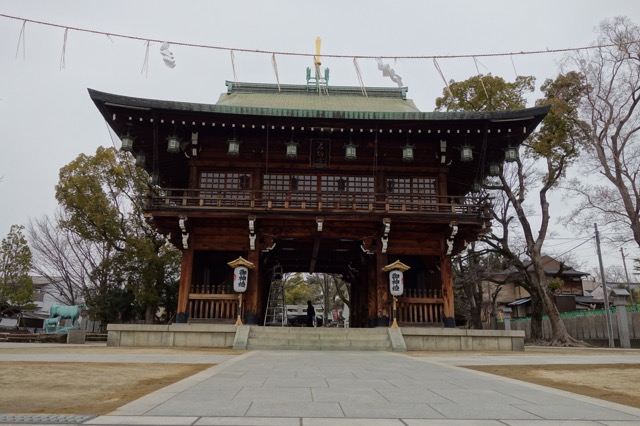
{"x": 607, "y": 311}
{"x": 626, "y": 274}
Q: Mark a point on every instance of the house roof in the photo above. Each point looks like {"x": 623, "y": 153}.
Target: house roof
{"x": 551, "y": 267}
{"x": 40, "y": 281}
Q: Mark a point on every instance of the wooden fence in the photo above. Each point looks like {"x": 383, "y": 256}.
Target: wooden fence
{"x": 211, "y": 303}
{"x": 420, "y": 311}
{"x": 586, "y": 327}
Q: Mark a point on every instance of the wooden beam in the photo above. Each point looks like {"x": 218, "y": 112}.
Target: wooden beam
{"x": 447, "y": 291}
{"x": 316, "y": 245}
{"x": 253, "y": 298}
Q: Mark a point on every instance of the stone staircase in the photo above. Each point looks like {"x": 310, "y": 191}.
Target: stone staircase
{"x": 318, "y": 338}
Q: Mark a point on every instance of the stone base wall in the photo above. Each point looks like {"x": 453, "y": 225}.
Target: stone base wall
{"x": 174, "y": 335}
{"x": 223, "y": 335}
{"x": 455, "y": 339}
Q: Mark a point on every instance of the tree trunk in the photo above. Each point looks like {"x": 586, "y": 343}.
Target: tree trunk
{"x": 537, "y": 310}
{"x": 559, "y": 334}
{"x": 149, "y": 314}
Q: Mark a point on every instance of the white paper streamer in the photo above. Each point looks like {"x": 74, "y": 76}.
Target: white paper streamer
{"x": 167, "y": 56}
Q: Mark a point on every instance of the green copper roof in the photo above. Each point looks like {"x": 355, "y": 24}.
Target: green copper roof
{"x": 339, "y": 111}
{"x": 252, "y": 95}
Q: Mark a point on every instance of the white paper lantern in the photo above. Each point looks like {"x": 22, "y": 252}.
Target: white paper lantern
{"x": 396, "y": 282}
{"x": 240, "y": 279}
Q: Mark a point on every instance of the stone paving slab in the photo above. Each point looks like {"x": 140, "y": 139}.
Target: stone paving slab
{"x": 375, "y": 386}
{"x": 338, "y": 388}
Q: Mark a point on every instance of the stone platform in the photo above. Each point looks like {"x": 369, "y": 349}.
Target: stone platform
{"x": 257, "y": 337}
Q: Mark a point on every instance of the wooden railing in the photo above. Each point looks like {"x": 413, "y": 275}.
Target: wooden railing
{"x": 420, "y": 311}
{"x": 410, "y": 203}
{"x": 215, "y": 303}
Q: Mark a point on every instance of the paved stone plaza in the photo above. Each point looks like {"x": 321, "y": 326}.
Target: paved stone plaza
{"x": 316, "y": 388}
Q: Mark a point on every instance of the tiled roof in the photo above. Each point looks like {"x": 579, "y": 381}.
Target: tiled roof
{"x": 531, "y": 115}
{"x": 303, "y": 98}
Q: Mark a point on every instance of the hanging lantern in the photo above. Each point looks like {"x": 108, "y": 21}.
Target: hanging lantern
{"x": 396, "y": 283}
{"x": 140, "y": 160}
{"x": 234, "y": 147}
{"x": 396, "y": 277}
{"x": 466, "y": 153}
{"x": 155, "y": 178}
{"x": 476, "y": 186}
{"x": 510, "y": 154}
{"x": 127, "y": 142}
{"x": 494, "y": 169}
{"x": 241, "y": 268}
{"x": 292, "y": 149}
{"x": 350, "y": 151}
{"x": 407, "y": 153}
{"x": 173, "y": 144}
{"x": 240, "y": 278}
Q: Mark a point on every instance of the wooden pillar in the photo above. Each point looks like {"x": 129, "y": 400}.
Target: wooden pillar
{"x": 382, "y": 288}
{"x": 186, "y": 272}
{"x": 447, "y": 291}
{"x": 253, "y": 297}
{"x": 371, "y": 294}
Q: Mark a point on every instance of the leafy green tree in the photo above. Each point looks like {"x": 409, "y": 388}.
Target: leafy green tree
{"x": 16, "y": 286}
{"x": 102, "y": 197}
{"x": 485, "y": 93}
{"x": 298, "y": 290}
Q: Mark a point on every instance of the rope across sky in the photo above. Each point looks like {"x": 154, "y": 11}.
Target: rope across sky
{"x": 272, "y": 52}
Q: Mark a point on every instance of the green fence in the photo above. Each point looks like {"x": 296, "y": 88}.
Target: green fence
{"x": 586, "y": 324}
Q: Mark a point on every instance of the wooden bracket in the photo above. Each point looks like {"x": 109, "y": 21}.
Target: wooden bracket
{"x": 454, "y": 231}
{"x": 385, "y": 233}
{"x": 252, "y": 232}
{"x": 182, "y": 223}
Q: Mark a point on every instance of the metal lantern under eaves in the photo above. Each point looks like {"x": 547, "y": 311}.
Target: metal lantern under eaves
{"x": 173, "y": 144}
{"x": 494, "y": 169}
{"x": 407, "y": 153}
{"x": 140, "y": 160}
{"x": 292, "y": 149}
{"x": 350, "y": 151}
{"x": 510, "y": 154}
{"x": 127, "y": 142}
{"x": 466, "y": 153}
{"x": 234, "y": 147}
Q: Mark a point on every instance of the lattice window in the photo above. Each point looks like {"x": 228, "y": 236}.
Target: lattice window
{"x": 230, "y": 189}
{"x": 291, "y": 188}
{"x": 413, "y": 193}
{"x": 346, "y": 191}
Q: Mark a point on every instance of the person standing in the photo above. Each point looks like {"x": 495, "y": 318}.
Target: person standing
{"x": 311, "y": 314}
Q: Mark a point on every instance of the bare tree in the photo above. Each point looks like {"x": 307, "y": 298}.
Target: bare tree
{"x": 611, "y": 96}
{"x": 66, "y": 260}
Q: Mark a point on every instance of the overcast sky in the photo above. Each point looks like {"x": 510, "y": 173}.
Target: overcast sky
{"x": 47, "y": 118}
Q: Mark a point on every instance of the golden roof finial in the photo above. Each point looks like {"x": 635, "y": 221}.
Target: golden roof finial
{"x": 317, "y": 58}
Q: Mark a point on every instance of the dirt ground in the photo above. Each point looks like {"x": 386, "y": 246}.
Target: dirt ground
{"x": 98, "y": 388}
{"x": 615, "y": 383}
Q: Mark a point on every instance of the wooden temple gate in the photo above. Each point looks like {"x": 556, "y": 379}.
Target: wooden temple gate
{"x": 341, "y": 183}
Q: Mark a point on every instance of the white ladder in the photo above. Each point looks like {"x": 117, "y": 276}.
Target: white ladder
{"x": 276, "y": 313}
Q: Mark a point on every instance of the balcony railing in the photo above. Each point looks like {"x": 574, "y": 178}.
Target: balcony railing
{"x": 265, "y": 200}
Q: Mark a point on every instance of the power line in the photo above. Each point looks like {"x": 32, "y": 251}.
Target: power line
{"x": 311, "y": 55}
